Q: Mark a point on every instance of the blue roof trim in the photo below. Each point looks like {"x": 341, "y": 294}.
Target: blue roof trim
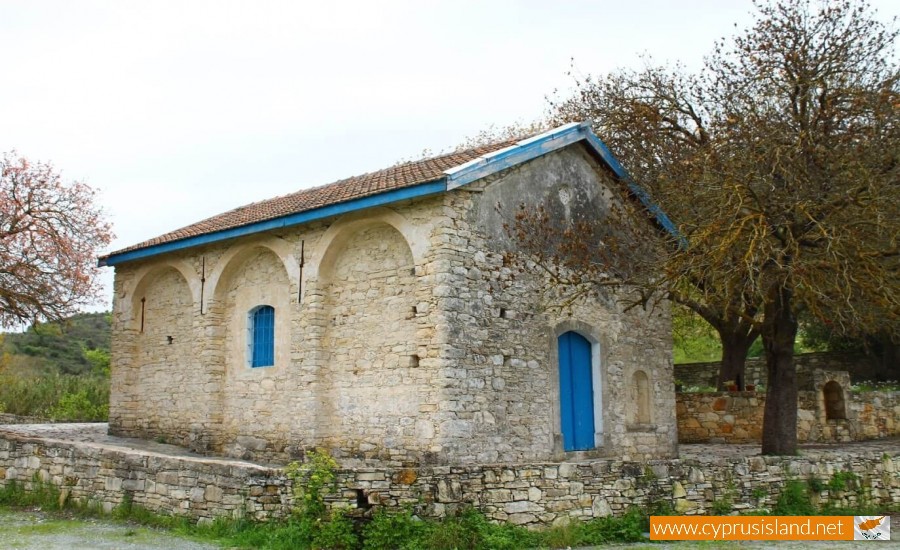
{"x": 638, "y": 191}
{"x": 522, "y": 151}
{"x": 458, "y": 176}
{"x": 416, "y": 191}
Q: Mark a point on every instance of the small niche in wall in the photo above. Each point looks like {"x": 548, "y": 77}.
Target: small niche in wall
{"x": 640, "y": 406}
{"x": 362, "y": 499}
{"x": 835, "y": 408}
{"x": 414, "y": 361}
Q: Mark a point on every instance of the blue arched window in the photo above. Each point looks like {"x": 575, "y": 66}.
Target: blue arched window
{"x": 261, "y": 336}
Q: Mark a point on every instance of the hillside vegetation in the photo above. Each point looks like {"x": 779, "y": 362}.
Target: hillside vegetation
{"x": 57, "y": 371}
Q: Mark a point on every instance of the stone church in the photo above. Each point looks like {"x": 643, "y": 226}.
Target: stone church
{"x": 374, "y": 317}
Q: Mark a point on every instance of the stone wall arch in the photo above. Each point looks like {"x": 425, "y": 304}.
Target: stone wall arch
{"x": 235, "y": 256}
{"x": 153, "y": 390}
{"x": 253, "y": 276}
{"x": 252, "y": 402}
{"x": 321, "y": 261}
{"x": 369, "y": 373}
{"x": 144, "y": 278}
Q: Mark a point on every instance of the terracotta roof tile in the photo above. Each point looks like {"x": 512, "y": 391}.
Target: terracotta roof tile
{"x": 396, "y": 177}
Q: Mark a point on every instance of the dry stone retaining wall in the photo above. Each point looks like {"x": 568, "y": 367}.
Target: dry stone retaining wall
{"x": 528, "y": 494}
{"x": 736, "y": 417}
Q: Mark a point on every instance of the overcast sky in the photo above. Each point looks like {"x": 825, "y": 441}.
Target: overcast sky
{"x": 180, "y": 110}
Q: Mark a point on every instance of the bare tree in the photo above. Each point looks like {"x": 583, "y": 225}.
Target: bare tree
{"x": 779, "y": 165}
{"x": 50, "y": 235}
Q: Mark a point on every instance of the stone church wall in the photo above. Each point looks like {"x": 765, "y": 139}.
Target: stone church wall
{"x": 501, "y": 384}
{"x": 154, "y": 391}
{"x": 353, "y": 348}
{"x": 401, "y": 339}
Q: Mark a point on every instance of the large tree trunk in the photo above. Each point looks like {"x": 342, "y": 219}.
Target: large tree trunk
{"x": 734, "y": 357}
{"x": 887, "y": 353}
{"x": 779, "y": 436}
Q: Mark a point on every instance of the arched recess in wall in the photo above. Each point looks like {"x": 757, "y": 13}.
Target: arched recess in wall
{"x": 333, "y": 240}
{"x": 370, "y": 368}
{"x": 162, "y": 359}
{"x": 640, "y": 398}
{"x": 236, "y": 255}
{"x": 146, "y": 276}
{"x": 835, "y": 407}
{"x": 245, "y": 278}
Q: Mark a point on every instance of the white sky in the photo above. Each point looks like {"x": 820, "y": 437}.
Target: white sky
{"x": 180, "y": 110}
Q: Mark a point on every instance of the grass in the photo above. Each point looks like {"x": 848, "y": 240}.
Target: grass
{"x": 888, "y": 385}
{"x": 468, "y": 529}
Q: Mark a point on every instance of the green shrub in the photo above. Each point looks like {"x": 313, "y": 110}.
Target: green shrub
{"x": 388, "y": 531}
{"x": 336, "y": 533}
{"x": 41, "y": 494}
{"x": 78, "y": 407}
{"x": 842, "y": 481}
{"x": 815, "y": 484}
{"x": 56, "y": 396}
{"x": 794, "y": 500}
{"x": 627, "y": 528}
{"x": 312, "y": 480}
{"x": 98, "y": 359}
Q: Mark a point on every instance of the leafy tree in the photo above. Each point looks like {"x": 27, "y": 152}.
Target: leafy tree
{"x": 779, "y": 164}
{"x": 50, "y": 235}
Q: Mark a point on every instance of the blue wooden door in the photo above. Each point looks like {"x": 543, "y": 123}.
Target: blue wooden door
{"x": 576, "y": 392}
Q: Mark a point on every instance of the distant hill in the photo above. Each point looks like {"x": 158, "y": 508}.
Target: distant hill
{"x": 60, "y": 346}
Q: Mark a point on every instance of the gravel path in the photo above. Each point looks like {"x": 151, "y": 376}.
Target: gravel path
{"x": 39, "y": 531}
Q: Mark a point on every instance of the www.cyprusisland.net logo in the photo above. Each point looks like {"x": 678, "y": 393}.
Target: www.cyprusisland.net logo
{"x": 871, "y": 528}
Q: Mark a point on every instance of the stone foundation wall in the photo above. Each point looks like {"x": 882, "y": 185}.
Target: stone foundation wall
{"x": 529, "y": 494}
{"x": 736, "y": 417}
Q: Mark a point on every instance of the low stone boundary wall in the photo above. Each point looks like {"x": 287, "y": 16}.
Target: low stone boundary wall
{"x": 706, "y": 374}
{"x": 737, "y": 417}
{"x": 527, "y": 494}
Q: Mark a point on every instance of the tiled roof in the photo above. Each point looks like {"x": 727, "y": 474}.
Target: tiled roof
{"x": 395, "y": 177}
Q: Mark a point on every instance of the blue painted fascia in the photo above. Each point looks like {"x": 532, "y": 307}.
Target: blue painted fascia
{"x": 603, "y": 151}
{"x": 455, "y": 177}
{"x": 416, "y": 191}
{"x": 522, "y": 151}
